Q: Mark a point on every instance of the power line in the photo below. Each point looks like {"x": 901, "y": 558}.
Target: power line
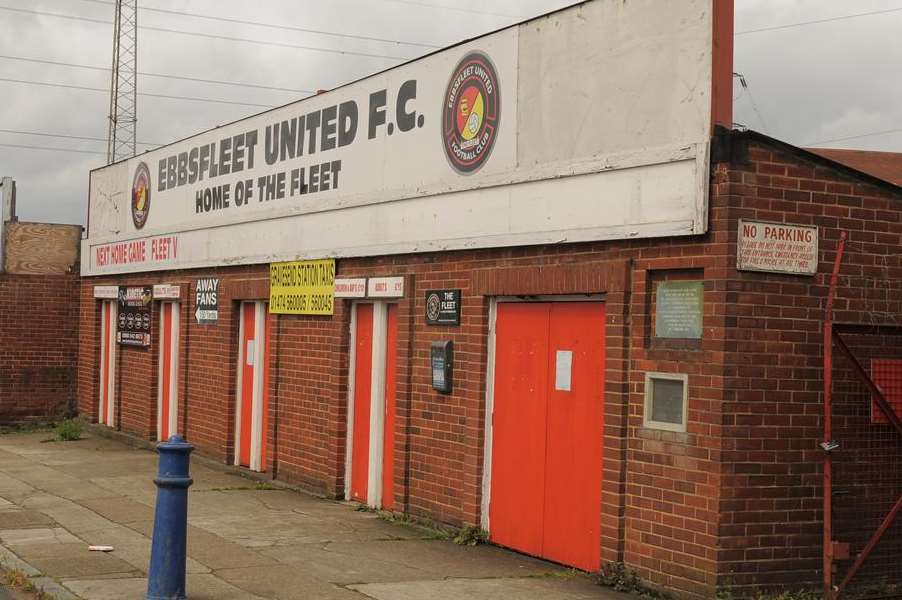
{"x": 273, "y": 26}
{"x": 161, "y": 75}
{"x": 456, "y": 9}
{"x": 745, "y": 88}
{"x": 214, "y": 36}
{"x": 67, "y": 136}
{"x": 91, "y": 89}
{"x": 854, "y": 137}
{"x": 29, "y": 147}
{"x": 815, "y": 22}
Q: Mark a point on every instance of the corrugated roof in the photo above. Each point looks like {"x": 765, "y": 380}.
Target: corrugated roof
{"x": 883, "y": 165}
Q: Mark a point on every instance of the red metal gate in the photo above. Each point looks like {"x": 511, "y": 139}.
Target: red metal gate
{"x": 862, "y": 454}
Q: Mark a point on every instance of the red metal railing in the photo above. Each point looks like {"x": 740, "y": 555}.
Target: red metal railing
{"x": 862, "y": 455}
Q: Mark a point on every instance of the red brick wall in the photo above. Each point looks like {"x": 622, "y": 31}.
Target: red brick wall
{"x": 734, "y": 500}
{"x": 38, "y": 333}
{"x": 771, "y": 506}
{"x": 439, "y": 438}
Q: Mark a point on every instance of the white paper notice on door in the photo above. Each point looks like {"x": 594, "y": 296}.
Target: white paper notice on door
{"x": 563, "y": 369}
{"x": 249, "y": 358}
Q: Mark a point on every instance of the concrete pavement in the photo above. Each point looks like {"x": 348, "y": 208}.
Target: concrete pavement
{"x": 243, "y": 542}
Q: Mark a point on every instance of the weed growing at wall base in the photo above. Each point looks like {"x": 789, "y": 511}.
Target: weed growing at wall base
{"x": 68, "y": 430}
{"x": 621, "y": 579}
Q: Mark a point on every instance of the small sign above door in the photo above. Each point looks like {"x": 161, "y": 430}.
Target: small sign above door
{"x": 350, "y": 288}
{"x": 106, "y": 292}
{"x": 385, "y": 287}
{"x": 166, "y": 291}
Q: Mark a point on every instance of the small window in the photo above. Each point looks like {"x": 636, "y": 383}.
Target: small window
{"x": 665, "y": 401}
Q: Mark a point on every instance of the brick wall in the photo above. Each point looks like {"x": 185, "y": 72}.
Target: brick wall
{"x": 772, "y": 502}
{"x": 439, "y": 438}
{"x": 38, "y": 332}
{"x": 734, "y": 500}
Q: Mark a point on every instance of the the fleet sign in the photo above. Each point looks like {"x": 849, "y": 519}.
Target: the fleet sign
{"x": 443, "y": 307}
{"x": 302, "y": 287}
{"x": 545, "y": 132}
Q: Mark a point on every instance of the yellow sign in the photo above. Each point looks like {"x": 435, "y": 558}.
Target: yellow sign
{"x": 304, "y": 287}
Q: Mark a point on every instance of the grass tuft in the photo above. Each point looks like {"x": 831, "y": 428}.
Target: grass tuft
{"x": 68, "y": 430}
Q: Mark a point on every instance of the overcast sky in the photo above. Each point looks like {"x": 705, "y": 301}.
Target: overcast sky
{"x": 827, "y": 83}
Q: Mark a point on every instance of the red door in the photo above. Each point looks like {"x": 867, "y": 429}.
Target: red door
{"x": 248, "y": 352}
{"x": 375, "y": 360}
{"x": 106, "y": 400}
{"x": 253, "y": 392}
{"x": 519, "y": 425}
{"x": 363, "y": 358}
{"x": 547, "y": 430}
{"x": 167, "y": 395}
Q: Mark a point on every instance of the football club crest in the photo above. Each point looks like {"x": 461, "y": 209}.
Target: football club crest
{"x": 140, "y": 196}
{"x": 471, "y": 113}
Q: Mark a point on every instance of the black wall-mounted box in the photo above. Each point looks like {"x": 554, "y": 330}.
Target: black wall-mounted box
{"x": 442, "y": 360}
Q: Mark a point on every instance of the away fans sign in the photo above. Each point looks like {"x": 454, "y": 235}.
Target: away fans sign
{"x": 206, "y": 300}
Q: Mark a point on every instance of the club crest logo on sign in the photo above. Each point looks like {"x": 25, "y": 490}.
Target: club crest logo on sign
{"x": 141, "y": 196}
{"x": 471, "y": 113}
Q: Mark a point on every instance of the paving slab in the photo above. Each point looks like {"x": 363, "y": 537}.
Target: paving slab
{"x": 486, "y": 589}
{"x": 22, "y": 519}
{"x": 347, "y": 563}
{"x": 285, "y": 583}
{"x": 108, "y": 589}
{"x": 78, "y": 564}
{"x": 119, "y": 509}
{"x": 54, "y": 535}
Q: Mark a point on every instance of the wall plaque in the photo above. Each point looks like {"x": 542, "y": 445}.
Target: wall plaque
{"x": 443, "y": 307}
{"x": 679, "y": 309}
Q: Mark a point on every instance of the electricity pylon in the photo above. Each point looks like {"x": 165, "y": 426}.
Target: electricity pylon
{"x": 122, "y": 137}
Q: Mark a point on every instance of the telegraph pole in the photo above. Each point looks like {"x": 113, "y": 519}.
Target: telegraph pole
{"x": 122, "y": 137}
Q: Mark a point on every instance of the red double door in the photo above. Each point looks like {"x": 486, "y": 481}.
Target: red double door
{"x": 252, "y": 401}
{"x": 547, "y": 428}
{"x": 372, "y": 408}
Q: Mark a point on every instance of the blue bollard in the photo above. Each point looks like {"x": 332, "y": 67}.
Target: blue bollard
{"x": 166, "y": 575}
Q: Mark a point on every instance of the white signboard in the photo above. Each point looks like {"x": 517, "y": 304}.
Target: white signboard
{"x": 167, "y": 291}
{"x": 591, "y": 123}
{"x": 385, "y": 287}
{"x": 777, "y": 247}
{"x": 106, "y": 292}
{"x": 350, "y": 288}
